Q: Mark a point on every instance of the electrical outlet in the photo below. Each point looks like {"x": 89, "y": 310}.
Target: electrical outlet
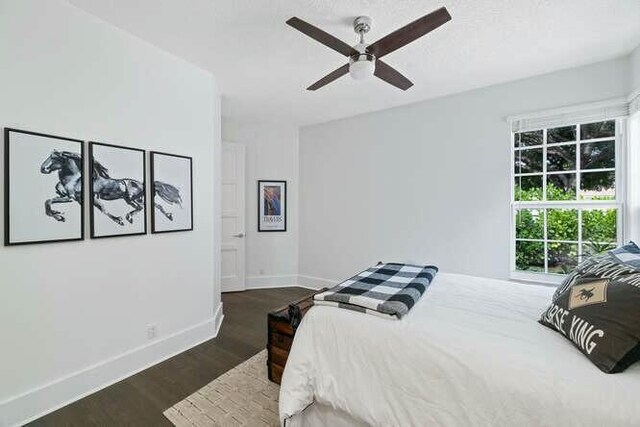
{"x": 152, "y": 331}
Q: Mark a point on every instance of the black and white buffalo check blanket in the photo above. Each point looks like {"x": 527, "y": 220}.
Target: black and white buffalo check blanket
{"x": 386, "y": 290}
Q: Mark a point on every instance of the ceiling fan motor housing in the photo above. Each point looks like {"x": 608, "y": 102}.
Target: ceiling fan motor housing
{"x": 362, "y": 24}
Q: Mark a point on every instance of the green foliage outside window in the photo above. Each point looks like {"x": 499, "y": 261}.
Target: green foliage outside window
{"x": 598, "y": 232}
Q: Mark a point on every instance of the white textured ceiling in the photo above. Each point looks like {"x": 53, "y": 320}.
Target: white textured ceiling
{"x": 263, "y": 66}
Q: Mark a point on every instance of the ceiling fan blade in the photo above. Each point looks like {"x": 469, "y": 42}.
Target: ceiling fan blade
{"x": 392, "y": 76}
{"x": 330, "y": 77}
{"x": 321, "y": 36}
{"x": 409, "y": 33}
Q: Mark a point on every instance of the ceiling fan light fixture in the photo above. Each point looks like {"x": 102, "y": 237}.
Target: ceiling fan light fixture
{"x": 362, "y": 68}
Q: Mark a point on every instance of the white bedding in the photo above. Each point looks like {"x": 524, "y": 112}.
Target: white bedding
{"x": 470, "y": 353}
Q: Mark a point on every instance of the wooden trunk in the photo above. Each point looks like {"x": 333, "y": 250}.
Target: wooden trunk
{"x": 280, "y": 335}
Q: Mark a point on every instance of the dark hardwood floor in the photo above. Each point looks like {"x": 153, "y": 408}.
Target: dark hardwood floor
{"x": 140, "y": 399}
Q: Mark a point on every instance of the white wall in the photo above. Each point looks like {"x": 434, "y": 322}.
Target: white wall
{"x": 428, "y": 182}
{"x": 271, "y": 153}
{"x": 73, "y": 316}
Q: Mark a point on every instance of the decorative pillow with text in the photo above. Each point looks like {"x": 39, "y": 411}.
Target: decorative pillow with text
{"x": 597, "y": 308}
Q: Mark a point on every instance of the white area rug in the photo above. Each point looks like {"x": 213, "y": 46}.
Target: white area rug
{"x": 242, "y": 396}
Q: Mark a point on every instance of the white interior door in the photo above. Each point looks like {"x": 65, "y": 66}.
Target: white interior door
{"x": 233, "y": 227}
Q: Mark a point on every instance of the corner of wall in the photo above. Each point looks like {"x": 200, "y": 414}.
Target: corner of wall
{"x": 634, "y": 58}
{"x": 271, "y": 153}
{"x": 217, "y": 195}
{"x": 315, "y": 283}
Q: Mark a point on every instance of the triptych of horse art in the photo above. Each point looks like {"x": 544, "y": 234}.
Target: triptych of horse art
{"x": 45, "y": 190}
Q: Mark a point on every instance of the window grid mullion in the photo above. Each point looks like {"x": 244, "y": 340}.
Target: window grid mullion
{"x": 576, "y": 171}
{"x": 544, "y": 165}
{"x": 528, "y": 147}
{"x": 525, "y": 239}
{"x": 544, "y": 198}
{"x": 578, "y": 185}
{"x": 568, "y": 204}
{"x": 578, "y": 165}
{"x": 520, "y": 175}
{"x": 580, "y": 251}
{"x": 546, "y": 243}
{"x": 603, "y": 139}
{"x": 564, "y": 172}
{"x": 561, "y": 144}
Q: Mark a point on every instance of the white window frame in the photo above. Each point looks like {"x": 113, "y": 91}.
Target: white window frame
{"x": 618, "y": 203}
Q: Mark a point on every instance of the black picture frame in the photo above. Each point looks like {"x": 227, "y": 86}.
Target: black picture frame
{"x": 260, "y": 205}
{"x": 92, "y": 207}
{"x": 152, "y": 193}
{"x": 7, "y": 186}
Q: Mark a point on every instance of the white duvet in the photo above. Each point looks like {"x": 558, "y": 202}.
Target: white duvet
{"x": 470, "y": 353}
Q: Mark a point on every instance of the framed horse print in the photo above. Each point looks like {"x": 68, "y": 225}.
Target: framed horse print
{"x": 171, "y": 192}
{"x": 118, "y": 182}
{"x": 272, "y": 205}
{"x": 43, "y": 180}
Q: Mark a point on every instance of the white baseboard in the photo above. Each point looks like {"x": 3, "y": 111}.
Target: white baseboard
{"x": 287, "y": 281}
{"x": 266, "y": 282}
{"x": 311, "y": 282}
{"x": 33, "y": 404}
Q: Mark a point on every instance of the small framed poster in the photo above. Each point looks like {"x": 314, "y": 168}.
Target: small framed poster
{"x": 272, "y": 205}
{"x": 43, "y": 185}
{"x": 171, "y": 193}
{"x": 117, "y": 190}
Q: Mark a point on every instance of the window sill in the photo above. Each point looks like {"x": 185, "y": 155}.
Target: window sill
{"x": 538, "y": 278}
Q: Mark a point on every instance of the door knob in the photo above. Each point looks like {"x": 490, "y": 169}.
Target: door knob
{"x": 239, "y": 235}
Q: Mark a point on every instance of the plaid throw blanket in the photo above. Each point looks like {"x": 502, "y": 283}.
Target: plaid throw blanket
{"x": 386, "y": 290}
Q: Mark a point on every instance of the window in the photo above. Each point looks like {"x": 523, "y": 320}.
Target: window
{"x": 566, "y": 197}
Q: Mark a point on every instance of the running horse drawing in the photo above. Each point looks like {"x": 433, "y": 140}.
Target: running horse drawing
{"x": 106, "y": 188}
{"x": 169, "y": 194}
{"x": 69, "y": 186}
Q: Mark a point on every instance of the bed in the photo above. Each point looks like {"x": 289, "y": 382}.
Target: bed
{"x": 470, "y": 353}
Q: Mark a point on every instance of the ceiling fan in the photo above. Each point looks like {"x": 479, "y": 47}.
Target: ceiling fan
{"x": 364, "y": 59}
